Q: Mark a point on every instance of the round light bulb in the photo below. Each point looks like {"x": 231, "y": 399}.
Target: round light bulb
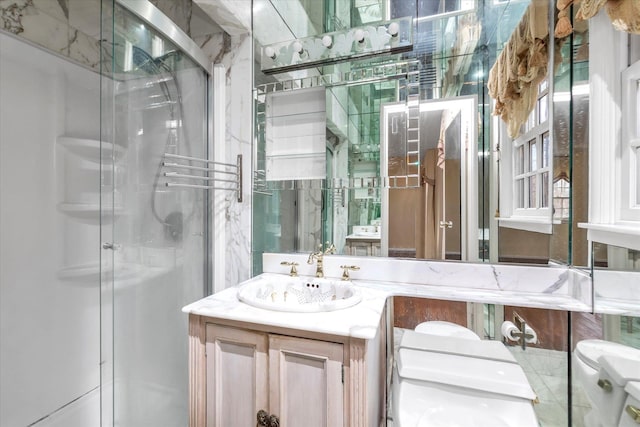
{"x": 297, "y": 47}
{"x": 393, "y": 29}
{"x": 270, "y": 52}
{"x": 359, "y": 35}
{"x": 327, "y": 41}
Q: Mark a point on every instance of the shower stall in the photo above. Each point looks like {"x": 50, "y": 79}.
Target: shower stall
{"x": 105, "y": 213}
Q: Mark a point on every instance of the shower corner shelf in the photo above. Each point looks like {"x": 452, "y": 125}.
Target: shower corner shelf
{"x": 88, "y": 211}
{"x": 89, "y": 149}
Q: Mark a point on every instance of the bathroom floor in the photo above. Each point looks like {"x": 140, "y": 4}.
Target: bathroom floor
{"x": 546, "y": 371}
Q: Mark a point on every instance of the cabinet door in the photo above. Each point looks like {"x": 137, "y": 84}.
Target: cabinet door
{"x": 237, "y": 377}
{"x": 360, "y": 249}
{"x": 306, "y": 384}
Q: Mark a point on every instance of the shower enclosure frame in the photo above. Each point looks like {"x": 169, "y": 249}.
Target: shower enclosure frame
{"x": 152, "y": 16}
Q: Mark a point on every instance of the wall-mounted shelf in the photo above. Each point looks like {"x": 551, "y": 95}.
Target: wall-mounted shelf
{"x": 89, "y": 149}
{"x": 89, "y": 211}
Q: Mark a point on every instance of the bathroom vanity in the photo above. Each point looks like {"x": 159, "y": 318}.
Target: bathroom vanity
{"x": 331, "y": 368}
{"x": 311, "y": 369}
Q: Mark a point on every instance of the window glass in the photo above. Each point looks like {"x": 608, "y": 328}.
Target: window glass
{"x": 544, "y": 202}
{"x": 545, "y": 149}
{"x": 637, "y": 152}
{"x": 637, "y": 129}
{"x": 519, "y": 168}
{"x": 533, "y": 155}
{"x": 520, "y": 193}
{"x": 533, "y": 191}
{"x": 543, "y": 112}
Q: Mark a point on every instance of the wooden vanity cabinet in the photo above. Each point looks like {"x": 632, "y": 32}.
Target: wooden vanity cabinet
{"x": 305, "y": 379}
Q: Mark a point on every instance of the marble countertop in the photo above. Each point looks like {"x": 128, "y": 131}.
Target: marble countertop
{"x": 359, "y": 321}
{"x": 364, "y": 237}
{"x": 381, "y": 278}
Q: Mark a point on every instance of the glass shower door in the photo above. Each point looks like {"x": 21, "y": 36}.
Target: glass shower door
{"x": 154, "y": 220}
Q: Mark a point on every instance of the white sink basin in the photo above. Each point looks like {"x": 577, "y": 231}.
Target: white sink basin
{"x": 368, "y": 234}
{"x": 298, "y": 294}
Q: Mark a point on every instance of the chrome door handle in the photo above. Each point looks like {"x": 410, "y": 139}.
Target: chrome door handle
{"x": 446, "y": 224}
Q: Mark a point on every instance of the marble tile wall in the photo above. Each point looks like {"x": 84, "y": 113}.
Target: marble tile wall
{"x": 71, "y": 28}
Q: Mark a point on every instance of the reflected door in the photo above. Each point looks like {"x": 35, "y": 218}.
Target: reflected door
{"x": 435, "y": 219}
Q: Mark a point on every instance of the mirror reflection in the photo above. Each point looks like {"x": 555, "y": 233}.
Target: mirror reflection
{"x": 435, "y": 219}
{"x": 495, "y": 219}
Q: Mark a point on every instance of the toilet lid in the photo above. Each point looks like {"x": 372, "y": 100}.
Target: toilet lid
{"x": 589, "y": 351}
{"x": 490, "y": 376}
{"x": 484, "y": 349}
{"x": 439, "y": 327}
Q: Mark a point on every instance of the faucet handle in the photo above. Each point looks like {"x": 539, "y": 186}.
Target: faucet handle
{"x": 331, "y": 249}
{"x": 345, "y": 270}
{"x": 294, "y": 271}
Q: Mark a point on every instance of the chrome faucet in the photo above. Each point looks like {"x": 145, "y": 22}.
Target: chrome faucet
{"x": 318, "y": 256}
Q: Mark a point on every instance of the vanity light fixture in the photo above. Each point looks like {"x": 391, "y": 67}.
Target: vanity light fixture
{"x": 359, "y": 35}
{"x": 297, "y": 47}
{"x": 327, "y": 41}
{"x": 270, "y": 52}
{"x": 393, "y": 29}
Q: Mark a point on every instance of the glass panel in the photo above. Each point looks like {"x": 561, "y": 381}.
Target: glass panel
{"x": 519, "y": 166}
{"x": 533, "y": 191}
{"x": 533, "y": 155}
{"x": 520, "y": 193}
{"x": 49, "y": 229}
{"x": 543, "y": 109}
{"x": 544, "y": 202}
{"x": 637, "y": 109}
{"x": 544, "y": 85}
{"x": 637, "y": 169}
{"x": 160, "y": 106}
{"x": 545, "y": 149}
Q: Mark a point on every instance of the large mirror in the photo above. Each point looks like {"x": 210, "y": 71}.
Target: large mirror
{"x": 502, "y": 196}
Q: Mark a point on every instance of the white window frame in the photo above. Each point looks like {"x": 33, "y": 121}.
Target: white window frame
{"x": 628, "y": 201}
{"x": 539, "y": 218}
{"x": 606, "y": 110}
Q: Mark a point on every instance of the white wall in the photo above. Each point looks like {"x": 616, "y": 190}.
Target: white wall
{"x": 49, "y": 327}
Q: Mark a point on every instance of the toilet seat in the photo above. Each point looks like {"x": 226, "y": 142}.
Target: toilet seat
{"x": 589, "y": 351}
{"x": 449, "y": 329}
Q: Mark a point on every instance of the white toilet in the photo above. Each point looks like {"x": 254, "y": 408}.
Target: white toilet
{"x": 455, "y": 382}
{"x": 631, "y": 414}
{"x": 603, "y": 369}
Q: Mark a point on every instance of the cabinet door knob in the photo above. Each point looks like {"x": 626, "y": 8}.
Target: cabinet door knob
{"x": 262, "y": 418}
{"x": 274, "y": 421}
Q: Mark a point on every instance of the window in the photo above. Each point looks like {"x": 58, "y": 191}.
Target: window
{"x": 561, "y": 189}
{"x": 531, "y": 160}
{"x": 629, "y": 197}
{"x": 526, "y": 177}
